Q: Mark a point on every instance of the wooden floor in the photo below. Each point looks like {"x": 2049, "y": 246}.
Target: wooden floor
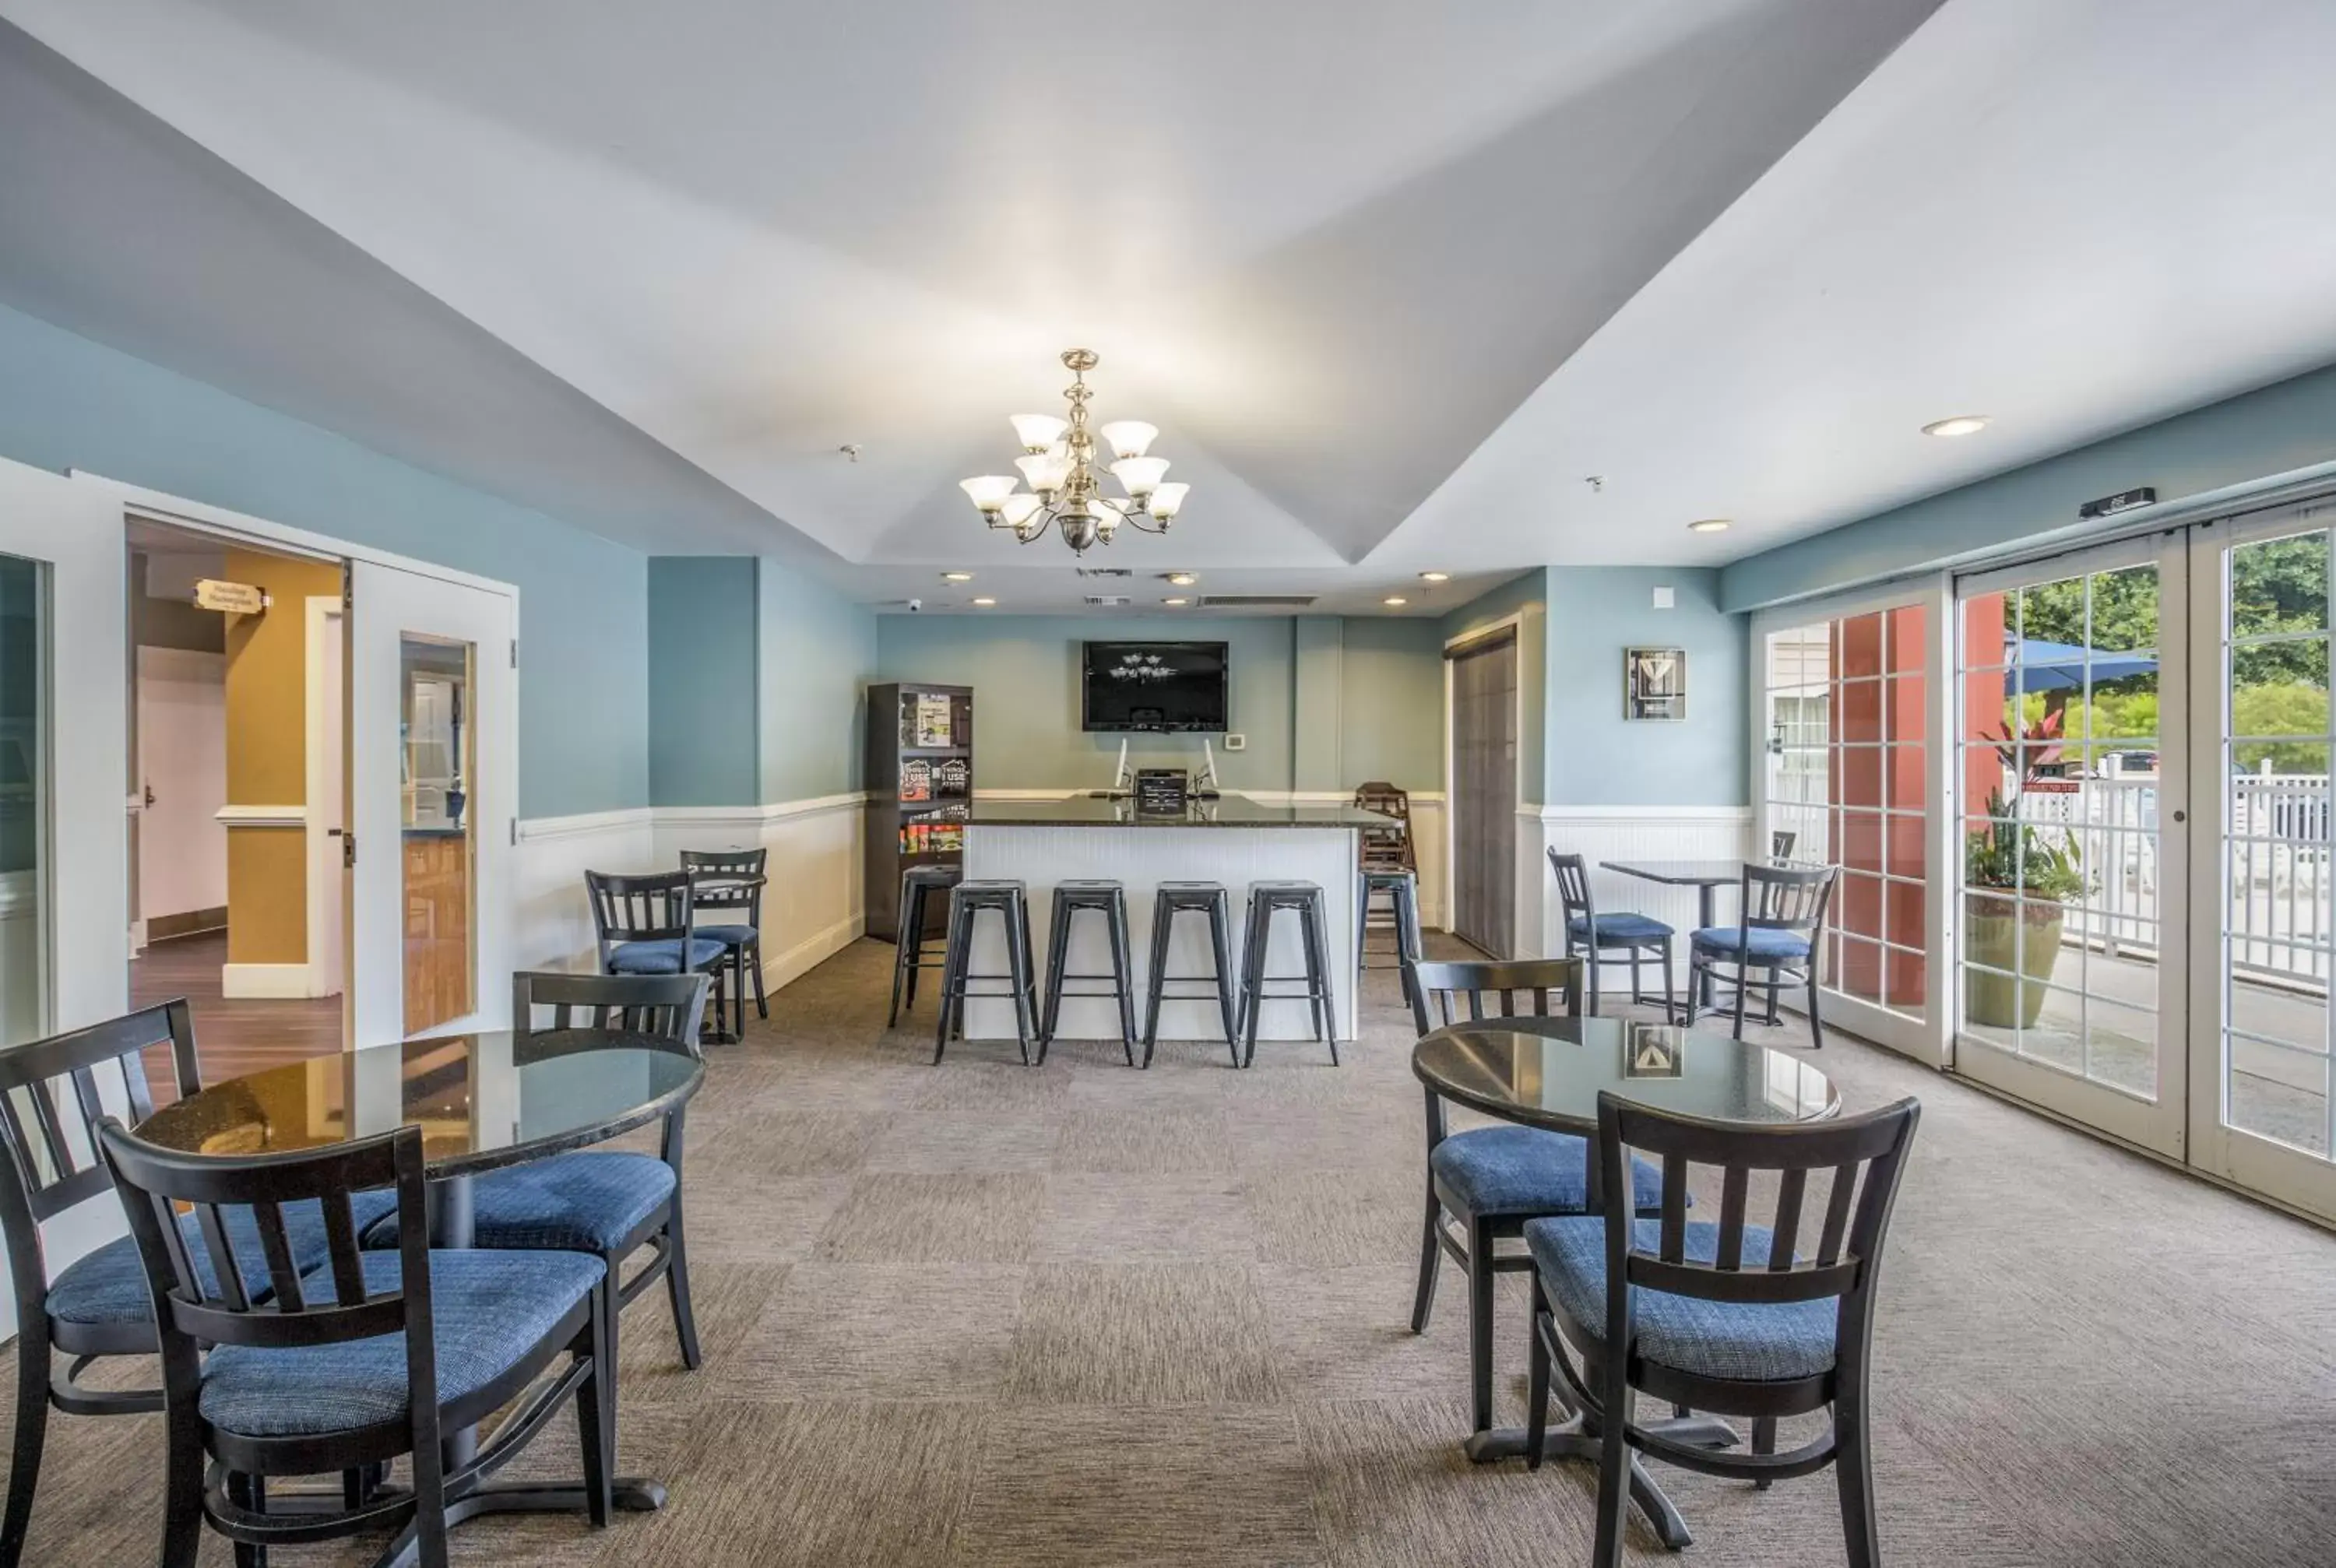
{"x": 232, "y": 1037}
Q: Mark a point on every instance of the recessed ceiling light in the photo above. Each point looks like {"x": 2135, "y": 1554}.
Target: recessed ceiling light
{"x": 1436, "y": 577}
{"x": 1184, "y": 578}
{"x": 1961, "y": 424}
{"x": 1394, "y": 600}
{"x": 985, "y": 602}
{"x": 1175, "y": 602}
{"x": 957, "y": 577}
{"x": 1708, "y": 525}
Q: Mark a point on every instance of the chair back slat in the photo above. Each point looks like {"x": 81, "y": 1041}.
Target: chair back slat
{"x": 1729, "y": 1253}
{"x": 656, "y": 906}
{"x": 1446, "y": 993}
{"x": 1864, "y": 1157}
{"x": 1837, "y": 1220}
{"x": 1787, "y": 898}
{"x": 191, "y": 1310}
{"x": 1792, "y": 1192}
{"x": 728, "y": 880}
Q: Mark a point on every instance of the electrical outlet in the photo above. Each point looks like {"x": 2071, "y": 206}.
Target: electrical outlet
{"x": 1236, "y": 742}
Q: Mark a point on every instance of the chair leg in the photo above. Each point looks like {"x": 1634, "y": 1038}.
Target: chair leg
{"x": 952, "y": 976}
{"x": 1743, "y": 987}
{"x": 1220, "y": 943}
{"x": 1613, "y": 1478}
{"x": 1636, "y": 959}
{"x": 1764, "y": 1441}
{"x": 1058, "y": 944}
{"x": 32, "y": 1436}
{"x": 1253, "y": 982}
{"x": 1156, "y": 977}
{"x": 1021, "y": 968}
{"x": 1816, "y": 1028}
{"x": 677, "y": 1286}
{"x": 596, "y": 1410}
{"x": 1853, "y": 1469}
{"x": 1123, "y": 966}
{"x": 751, "y": 954}
{"x": 1480, "y": 1325}
{"x": 1431, "y": 1262}
{"x": 1315, "y": 926}
{"x": 1536, "y": 1380}
{"x": 248, "y": 1492}
{"x": 1668, "y": 1003}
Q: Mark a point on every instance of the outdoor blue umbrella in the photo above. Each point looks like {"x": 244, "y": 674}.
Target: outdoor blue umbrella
{"x": 2061, "y": 666}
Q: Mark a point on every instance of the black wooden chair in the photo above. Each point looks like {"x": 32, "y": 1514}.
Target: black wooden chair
{"x": 1774, "y": 945}
{"x": 1491, "y": 1180}
{"x": 1724, "y": 1318}
{"x": 609, "y": 1204}
{"x": 98, "y": 1306}
{"x": 648, "y": 925}
{"x": 1588, "y": 931}
{"x": 732, "y": 880}
{"x": 351, "y": 1361}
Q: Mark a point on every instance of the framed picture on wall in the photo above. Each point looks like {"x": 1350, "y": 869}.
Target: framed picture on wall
{"x": 1654, "y": 682}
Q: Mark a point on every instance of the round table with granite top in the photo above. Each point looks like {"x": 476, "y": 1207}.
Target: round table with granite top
{"x": 483, "y": 1101}
{"x": 1548, "y": 1072}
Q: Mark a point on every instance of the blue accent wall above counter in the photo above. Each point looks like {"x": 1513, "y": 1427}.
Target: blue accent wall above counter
{"x": 702, "y": 667}
{"x": 818, "y": 653}
{"x": 67, "y": 403}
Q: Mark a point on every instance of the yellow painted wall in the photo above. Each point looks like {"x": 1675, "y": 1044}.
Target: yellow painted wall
{"x": 267, "y": 757}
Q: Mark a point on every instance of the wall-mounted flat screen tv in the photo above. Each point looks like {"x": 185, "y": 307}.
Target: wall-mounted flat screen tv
{"x": 1153, "y": 686}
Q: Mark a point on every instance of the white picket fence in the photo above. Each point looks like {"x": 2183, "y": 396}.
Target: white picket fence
{"x": 2277, "y": 846}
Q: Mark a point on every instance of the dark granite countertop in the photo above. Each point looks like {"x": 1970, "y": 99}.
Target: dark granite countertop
{"x": 1230, "y": 811}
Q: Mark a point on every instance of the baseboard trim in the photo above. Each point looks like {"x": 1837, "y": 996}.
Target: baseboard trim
{"x": 162, "y": 928}
{"x": 534, "y": 829}
{"x": 783, "y": 969}
{"x": 263, "y": 982}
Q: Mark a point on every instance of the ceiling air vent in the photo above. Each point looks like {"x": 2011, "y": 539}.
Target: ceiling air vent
{"x": 1105, "y": 600}
{"x": 1256, "y": 600}
{"x": 1106, "y": 571}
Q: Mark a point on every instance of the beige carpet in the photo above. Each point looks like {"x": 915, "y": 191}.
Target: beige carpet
{"x": 1088, "y": 1316}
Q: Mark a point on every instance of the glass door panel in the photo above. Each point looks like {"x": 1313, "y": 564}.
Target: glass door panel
{"x": 2262, "y": 1059}
{"x": 2062, "y": 894}
{"x": 1843, "y": 784}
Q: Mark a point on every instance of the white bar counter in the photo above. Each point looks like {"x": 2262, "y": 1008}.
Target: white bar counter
{"x": 1232, "y": 840}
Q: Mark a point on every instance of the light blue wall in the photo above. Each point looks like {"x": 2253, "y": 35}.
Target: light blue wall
{"x": 817, "y": 653}
{"x": 1595, "y": 755}
{"x": 68, "y": 403}
{"x": 704, "y": 747}
{"x": 1527, "y": 597}
{"x": 1324, "y": 702}
{"x": 2278, "y": 430}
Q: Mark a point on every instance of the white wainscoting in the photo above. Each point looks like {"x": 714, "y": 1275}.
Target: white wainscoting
{"x": 812, "y": 907}
{"x": 1599, "y": 833}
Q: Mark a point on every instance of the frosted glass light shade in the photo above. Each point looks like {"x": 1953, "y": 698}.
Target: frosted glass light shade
{"x": 989, "y": 491}
{"x": 1141, "y": 475}
{"x": 1017, "y": 508}
{"x": 1167, "y": 499}
{"x": 1045, "y": 470}
{"x": 1037, "y": 431}
{"x": 1129, "y": 437}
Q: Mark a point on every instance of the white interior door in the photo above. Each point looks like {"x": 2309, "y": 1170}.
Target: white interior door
{"x": 2262, "y": 735}
{"x": 432, "y": 804}
{"x": 2073, "y": 769}
{"x": 65, "y": 873}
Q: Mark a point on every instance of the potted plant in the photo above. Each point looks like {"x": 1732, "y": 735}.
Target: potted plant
{"x": 2016, "y": 881}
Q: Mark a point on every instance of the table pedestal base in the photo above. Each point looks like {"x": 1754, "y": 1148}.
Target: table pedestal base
{"x": 1578, "y": 1439}
{"x": 632, "y": 1495}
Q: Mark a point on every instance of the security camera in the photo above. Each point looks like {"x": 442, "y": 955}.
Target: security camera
{"x": 916, "y": 606}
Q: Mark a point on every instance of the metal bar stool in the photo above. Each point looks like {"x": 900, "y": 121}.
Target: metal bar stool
{"x": 1175, "y": 899}
{"x": 1109, "y": 900}
{"x": 1011, "y": 902}
{"x": 913, "y": 952}
{"x": 1401, "y": 885}
{"x": 1266, "y": 899}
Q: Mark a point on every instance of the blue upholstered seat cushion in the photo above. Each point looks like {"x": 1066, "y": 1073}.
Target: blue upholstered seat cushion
{"x": 584, "y": 1203}
{"x": 1769, "y": 943}
{"x": 489, "y": 1312}
{"x": 1747, "y": 1343}
{"x": 662, "y": 957}
{"x": 729, "y": 935}
{"x": 109, "y": 1285}
{"x": 1620, "y": 929}
{"x": 1512, "y": 1170}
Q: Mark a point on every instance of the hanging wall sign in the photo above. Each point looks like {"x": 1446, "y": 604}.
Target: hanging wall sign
{"x": 235, "y": 597}
{"x": 1654, "y": 682}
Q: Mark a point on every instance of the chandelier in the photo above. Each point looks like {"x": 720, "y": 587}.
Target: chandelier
{"x": 1058, "y": 459}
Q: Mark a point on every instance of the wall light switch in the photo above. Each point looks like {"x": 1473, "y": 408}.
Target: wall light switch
{"x": 1663, "y": 599}
{"x": 1236, "y": 742}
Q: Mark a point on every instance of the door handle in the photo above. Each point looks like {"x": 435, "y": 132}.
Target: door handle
{"x": 149, "y": 794}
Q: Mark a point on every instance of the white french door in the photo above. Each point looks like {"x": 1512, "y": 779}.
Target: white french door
{"x": 2260, "y": 1103}
{"x": 434, "y": 752}
{"x": 2072, "y": 770}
